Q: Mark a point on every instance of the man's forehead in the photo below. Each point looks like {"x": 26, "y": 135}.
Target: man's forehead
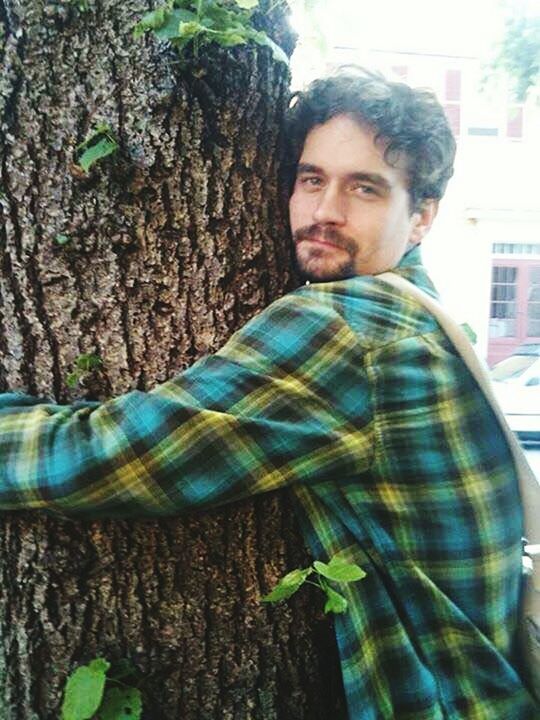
{"x": 352, "y": 145}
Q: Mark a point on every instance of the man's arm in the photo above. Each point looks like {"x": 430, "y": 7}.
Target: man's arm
{"x": 284, "y": 401}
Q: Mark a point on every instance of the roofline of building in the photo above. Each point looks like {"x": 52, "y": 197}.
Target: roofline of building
{"x": 407, "y": 52}
{"x": 503, "y": 214}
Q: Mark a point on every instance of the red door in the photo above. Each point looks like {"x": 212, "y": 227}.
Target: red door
{"x": 515, "y": 306}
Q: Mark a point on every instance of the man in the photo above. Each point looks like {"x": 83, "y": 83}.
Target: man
{"x": 348, "y": 392}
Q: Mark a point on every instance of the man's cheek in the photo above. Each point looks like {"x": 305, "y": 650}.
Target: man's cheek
{"x": 298, "y": 209}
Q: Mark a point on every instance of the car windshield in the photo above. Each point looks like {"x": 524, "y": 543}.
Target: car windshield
{"x": 512, "y": 367}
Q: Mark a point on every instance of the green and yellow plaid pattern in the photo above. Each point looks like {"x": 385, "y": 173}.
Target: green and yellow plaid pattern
{"x": 349, "y": 394}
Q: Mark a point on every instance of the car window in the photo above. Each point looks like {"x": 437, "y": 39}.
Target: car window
{"x": 528, "y": 349}
{"x": 512, "y": 367}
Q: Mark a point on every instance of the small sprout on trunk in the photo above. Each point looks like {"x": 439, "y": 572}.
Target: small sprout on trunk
{"x": 199, "y": 22}
{"x": 89, "y": 694}
{"x": 98, "y": 145}
{"x": 336, "y": 570}
{"x": 85, "y": 364}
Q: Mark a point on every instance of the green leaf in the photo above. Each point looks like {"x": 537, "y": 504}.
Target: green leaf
{"x": 335, "y": 602}
{"x": 101, "y": 128}
{"x": 85, "y": 363}
{"x": 206, "y": 22}
{"x": 229, "y": 39}
{"x": 82, "y": 5}
{"x": 61, "y": 239}
{"x": 278, "y": 53}
{"x": 84, "y": 690}
{"x": 220, "y": 16}
{"x": 247, "y": 4}
{"x": 72, "y": 379}
{"x": 171, "y": 29}
{"x": 288, "y": 585}
{"x": 339, "y": 570}
{"x": 105, "y": 146}
{"x": 121, "y": 704}
{"x": 152, "y": 21}
{"x": 188, "y": 30}
{"x": 88, "y": 362}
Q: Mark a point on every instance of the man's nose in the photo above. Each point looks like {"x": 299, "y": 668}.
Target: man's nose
{"x": 330, "y": 207}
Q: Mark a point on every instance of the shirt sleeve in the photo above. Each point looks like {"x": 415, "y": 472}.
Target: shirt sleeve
{"x": 284, "y": 401}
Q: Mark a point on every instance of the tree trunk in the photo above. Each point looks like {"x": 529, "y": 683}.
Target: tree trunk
{"x": 150, "y": 260}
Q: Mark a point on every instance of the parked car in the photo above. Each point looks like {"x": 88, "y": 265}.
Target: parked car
{"x": 516, "y": 381}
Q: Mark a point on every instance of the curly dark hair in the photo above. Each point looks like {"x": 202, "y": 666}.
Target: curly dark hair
{"x": 410, "y": 121}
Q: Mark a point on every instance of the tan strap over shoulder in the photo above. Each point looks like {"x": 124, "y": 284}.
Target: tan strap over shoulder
{"x": 528, "y": 484}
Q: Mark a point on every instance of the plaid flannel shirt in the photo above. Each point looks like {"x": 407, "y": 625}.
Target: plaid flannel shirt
{"x": 351, "y": 395}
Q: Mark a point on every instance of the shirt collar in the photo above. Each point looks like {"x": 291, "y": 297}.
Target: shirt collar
{"x": 410, "y": 258}
{"x": 412, "y": 268}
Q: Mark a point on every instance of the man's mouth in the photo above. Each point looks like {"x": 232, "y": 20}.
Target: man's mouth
{"x": 324, "y": 237}
{"x": 322, "y": 241}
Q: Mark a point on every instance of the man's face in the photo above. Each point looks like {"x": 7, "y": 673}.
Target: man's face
{"x": 349, "y": 210}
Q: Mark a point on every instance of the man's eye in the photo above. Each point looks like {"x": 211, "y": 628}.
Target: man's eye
{"x": 310, "y": 180}
{"x": 363, "y": 189}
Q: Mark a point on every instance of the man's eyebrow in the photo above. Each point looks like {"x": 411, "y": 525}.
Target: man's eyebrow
{"x": 373, "y": 178}
{"x": 307, "y": 168}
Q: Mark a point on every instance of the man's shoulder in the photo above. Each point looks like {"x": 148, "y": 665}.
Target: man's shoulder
{"x": 377, "y": 312}
{"x": 364, "y": 309}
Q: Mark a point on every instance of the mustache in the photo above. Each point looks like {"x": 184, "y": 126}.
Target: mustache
{"x": 327, "y": 234}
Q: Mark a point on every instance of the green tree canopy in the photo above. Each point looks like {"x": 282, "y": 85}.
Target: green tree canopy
{"x": 519, "y": 54}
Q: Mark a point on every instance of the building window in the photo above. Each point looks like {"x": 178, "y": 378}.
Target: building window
{"x": 514, "y": 122}
{"x": 452, "y": 99}
{"x": 453, "y": 114}
{"x": 502, "y": 321}
{"x": 533, "y": 304}
{"x": 453, "y": 85}
{"x": 483, "y": 131}
{"x": 516, "y": 248}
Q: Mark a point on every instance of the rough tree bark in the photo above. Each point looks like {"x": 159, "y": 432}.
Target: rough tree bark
{"x": 172, "y": 244}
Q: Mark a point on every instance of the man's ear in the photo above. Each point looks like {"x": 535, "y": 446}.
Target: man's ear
{"x": 422, "y": 220}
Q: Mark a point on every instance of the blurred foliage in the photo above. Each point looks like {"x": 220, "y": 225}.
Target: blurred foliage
{"x": 519, "y": 54}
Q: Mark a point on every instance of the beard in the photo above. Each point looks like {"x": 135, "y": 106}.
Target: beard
{"x": 318, "y": 265}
